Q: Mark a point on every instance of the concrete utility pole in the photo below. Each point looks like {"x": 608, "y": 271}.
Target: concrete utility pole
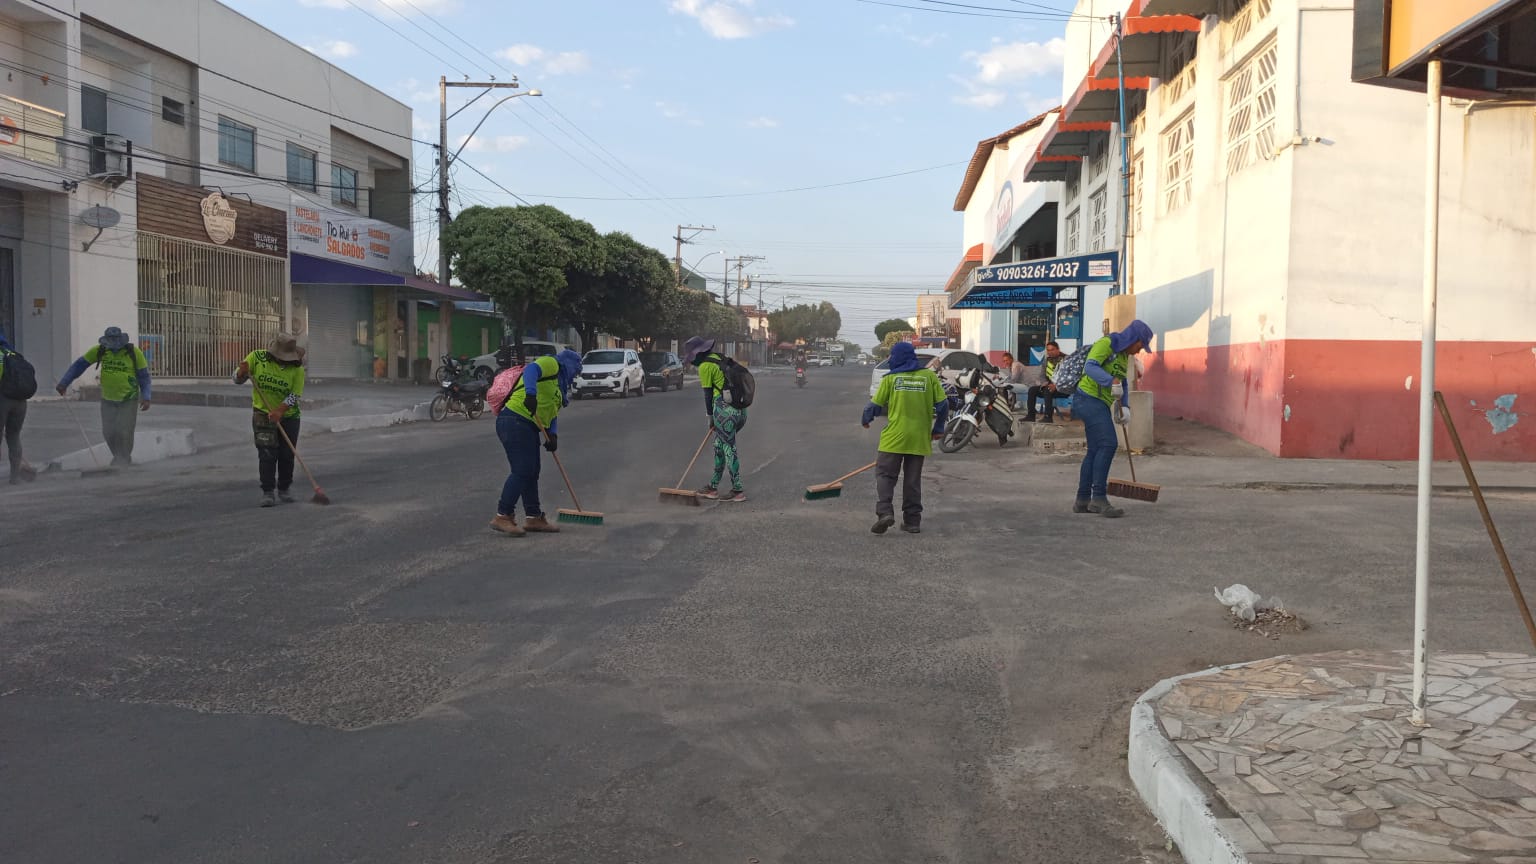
{"x": 444, "y": 160}
{"x": 740, "y": 263}
{"x": 697, "y": 230}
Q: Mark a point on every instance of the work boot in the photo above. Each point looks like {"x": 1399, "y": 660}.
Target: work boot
{"x": 1031, "y": 417}
{"x": 268, "y": 499}
{"x": 709, "y": 492}
{"x": 284, "y": 496}
{"x": 507, "y": 525}
{"x": 1105, "y": 509}
{"x": 1080, "y": 505}
{"x": 910, "y": 528}
{"x": 883, "y": 524}
{"x": 539, "y": 525}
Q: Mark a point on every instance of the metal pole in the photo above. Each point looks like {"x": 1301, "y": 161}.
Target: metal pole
{"x": 1427, "y": 398}
{"x": 1125, "y": 165}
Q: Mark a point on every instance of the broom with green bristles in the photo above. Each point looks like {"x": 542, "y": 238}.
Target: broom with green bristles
{"x": 577, "y": 516}
{"x": 835, "y": 488}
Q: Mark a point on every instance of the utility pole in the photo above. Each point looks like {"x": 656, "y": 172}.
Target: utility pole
{"x": 740, "y": 263}
{"x": 681, "y": 240}
{"x": 443, "y": 159}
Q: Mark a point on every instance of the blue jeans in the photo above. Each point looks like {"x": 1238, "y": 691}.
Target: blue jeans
{"x": 1099, "y": 423}
{"x": 520, "y": 438}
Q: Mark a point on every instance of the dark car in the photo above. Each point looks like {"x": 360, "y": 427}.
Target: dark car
{"x": 662, "y": 369}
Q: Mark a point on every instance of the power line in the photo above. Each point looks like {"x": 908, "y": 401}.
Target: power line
{"x": 382, "y": 23}
{"x": 815, "y": 188}
{"x": 1012, "y": 15}
{"x": 496, "y": 183}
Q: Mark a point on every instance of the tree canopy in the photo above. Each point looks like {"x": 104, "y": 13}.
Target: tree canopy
{"x": 805, "y": 322}
{"x": 891, "y": 325}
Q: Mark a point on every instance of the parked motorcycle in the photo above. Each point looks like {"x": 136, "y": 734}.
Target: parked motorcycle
{"x": 982, "y": 403}
{"x": 460, "y": 397}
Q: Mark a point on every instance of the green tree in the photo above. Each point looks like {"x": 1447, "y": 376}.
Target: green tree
{"x": 806, "y": 322}
{"x": 725, "y": 323}
{"x": 583, "y": 303}
{"x": 513, "y": 256}
{"x": 891, "y": 325}
{"x": 638, "y": 281}
{"x": 675, "y": 313}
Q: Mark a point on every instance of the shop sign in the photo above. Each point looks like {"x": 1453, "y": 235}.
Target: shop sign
{"x": 1099, "y": 267}
{"x": 325, "y": 233}
{"x": 209, "y": 216}
{"x": 218, "y": 218}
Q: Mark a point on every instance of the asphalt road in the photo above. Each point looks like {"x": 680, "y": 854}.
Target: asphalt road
{"x": 185, "y": 677}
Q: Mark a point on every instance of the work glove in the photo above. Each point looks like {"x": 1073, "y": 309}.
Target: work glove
{"x": 551, "y": 442}
{"x": 1123, "y": 415}
{"x": 144, "y": 405}
{"x": 531, "y": 402}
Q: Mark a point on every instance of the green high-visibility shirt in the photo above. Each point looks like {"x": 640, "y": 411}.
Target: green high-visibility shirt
{"x": 547, "y": 391}
{"x": 1117, "y": 365}
{"x": 276, "y": 382}
{"x": 119, "y": 371}
{"x": 909, "y": 399}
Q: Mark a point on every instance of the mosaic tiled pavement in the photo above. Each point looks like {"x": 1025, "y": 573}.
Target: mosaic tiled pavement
{"x": 1317, "y": 763}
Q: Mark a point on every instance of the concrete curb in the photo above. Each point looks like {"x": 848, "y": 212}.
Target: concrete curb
{"x": 1162, "y": 778}
{"x": 416, "y": 413}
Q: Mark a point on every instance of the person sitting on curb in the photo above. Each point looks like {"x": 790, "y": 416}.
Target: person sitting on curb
{"x": 725, "y": 419}
{"x": 1046, "y": 390}
{"x": 277, "y": 379}
{"x": 913, "y": 398}
{"x": 125, "y": 389}
{"x": 531, "y": 412}
{"x": 13, "y": 415}
{"x": 1109, "y": 359}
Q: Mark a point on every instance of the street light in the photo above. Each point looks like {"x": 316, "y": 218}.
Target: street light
{"x": 445, "y": 161}
{"x": 694, "y": 267}
{"x": 487, "y": 116}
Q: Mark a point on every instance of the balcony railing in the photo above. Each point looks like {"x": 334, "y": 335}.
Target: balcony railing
{"x": 30, "y": 132}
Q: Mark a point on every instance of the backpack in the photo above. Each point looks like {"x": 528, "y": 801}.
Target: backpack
{"x": 740, "y": 382}
{"x": 18, "y": 379}
{"x": 132, "y": 349}
{"x": 506, "y": 381}
{"x": 1070, "y": 372}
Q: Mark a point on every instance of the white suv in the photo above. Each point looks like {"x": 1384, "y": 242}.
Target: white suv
{"x": 610, "y": 370}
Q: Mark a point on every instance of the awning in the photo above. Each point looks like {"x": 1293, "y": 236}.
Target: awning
{"x": 309, "y": 270}
{"x": 1011, "y": 286}
{"x": 1141, "y": 48}
{"x": 1483, "y": 45}
{"x": 963, "y": 270}
{"x": 1198, "y": 8}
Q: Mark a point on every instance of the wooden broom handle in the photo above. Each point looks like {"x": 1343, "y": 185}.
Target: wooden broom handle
{"x": 1128, "y": 460}
{"x": 853, "y": 473}
{"x": 696, "y": 454}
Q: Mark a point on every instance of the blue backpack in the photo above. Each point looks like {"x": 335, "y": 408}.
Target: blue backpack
{"x": 1071, "y": 370}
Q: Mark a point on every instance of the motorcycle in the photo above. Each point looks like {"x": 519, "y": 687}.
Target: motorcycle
{"x": 799, "y": 376}
{"x": 982, "y": 402}
{"x": 460, "y": 397}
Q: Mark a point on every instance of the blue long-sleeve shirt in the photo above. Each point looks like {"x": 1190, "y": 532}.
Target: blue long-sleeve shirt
{"x": 1101, "y": 376}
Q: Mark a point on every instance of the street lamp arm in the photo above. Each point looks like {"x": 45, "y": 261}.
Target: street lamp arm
{"x": 487, "y": 116}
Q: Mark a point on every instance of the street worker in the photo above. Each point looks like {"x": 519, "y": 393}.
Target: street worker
{"x": 1109, "y": 360}
{"x": 125, "y": 388}
{"x": 277, "y": 376}
{"x": 529, "y": 415}
{"x": 725, "y": 419}
{"x": 1046, "y": 389}
{"x": 913, "y": 399}
{"x": 13, "y": 414}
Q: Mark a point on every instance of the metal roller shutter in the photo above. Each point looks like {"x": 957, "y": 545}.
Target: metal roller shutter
{"x": 333, "y": 317}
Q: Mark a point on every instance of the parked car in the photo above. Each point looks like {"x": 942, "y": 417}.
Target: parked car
{"x": 610, "y": 370}
{"x": 824, "y": 360}
{"x": 952, "y": 362}
{"x": 662, "y": 369}
{"x": 485, "y": 366}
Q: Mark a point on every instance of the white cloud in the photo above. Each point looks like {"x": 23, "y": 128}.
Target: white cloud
{"x": 413, "y": 7}
{"x": 983, "y": 98}
{"x": 673, "y": 111}
{"x": 333, "y": 49}
{"x": 763, "y": 123}
{"x": 1017, "y": 61}
{"x": 548, "y": 62}
{"x": 874, "y": 99}
{"x": 497, "y": 144}
{"x": 730, "y": 19}
{"x": 412, "y": 90}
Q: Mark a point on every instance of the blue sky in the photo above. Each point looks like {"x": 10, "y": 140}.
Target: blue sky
{"x": 685, "y": 98}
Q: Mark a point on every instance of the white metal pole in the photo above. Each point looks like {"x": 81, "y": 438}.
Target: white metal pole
{"x": 1427, "y": 398}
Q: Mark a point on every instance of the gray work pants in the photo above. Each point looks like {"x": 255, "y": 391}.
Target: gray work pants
{"x": 910, "y": 468}
{"x": 118, "y": 422}
{"x": 13, "y": 413}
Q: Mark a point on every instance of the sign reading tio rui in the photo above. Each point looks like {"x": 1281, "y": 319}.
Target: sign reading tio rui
{"x": 325, "y": 233}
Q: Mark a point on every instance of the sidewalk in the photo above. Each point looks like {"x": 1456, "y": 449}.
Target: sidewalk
{"x": 186, "y": 419}
{"x": 1312, "y": 760}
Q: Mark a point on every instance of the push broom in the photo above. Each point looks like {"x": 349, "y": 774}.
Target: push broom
{"x": 577, "y": 516}
{"x": 685, "y": 497}
{"x": 1132, "y": 490}
{"x": 835, "y": 488}
{"x": 320, "y": 497}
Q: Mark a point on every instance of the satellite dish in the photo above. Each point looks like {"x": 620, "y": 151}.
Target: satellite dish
{"x": 101, "y": 218}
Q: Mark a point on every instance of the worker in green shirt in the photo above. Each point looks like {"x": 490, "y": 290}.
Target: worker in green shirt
{"x": 125, "y": 388}
{"x": 725, "y": 419}
{"x": 1109, "y": 360}
{"x": 277, "y": 377}
{"x": 913, "y": 399}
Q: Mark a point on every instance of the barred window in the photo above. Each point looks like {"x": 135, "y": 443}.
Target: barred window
{"x": 1179, "y": 163}
{"x": 1251, "y": 100}
{"x": 1098, "y": 213}
{"x": 1178, "y": 69}
{"x": 1074, "y": 231}
{"x": 1138, "y": 188}
{"x": 1074, "y": 182}
{"x": 1098, "y": 158}
{"x": 1239, "y": 18}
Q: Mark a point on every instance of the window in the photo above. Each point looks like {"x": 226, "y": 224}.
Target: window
{"x": 1074, "y": 230}
{"x": 1251, "y": 110}
{"x": 1239, "y": 18}
{"x": 1098, "y": 216}
{"x": 1138, "y": 188}
{"x": 1098, "y": 158}
{"x": 301, "y": 167}
{"x": 1074, "y": 182}
{"x": 237, "y": 144}
{"x": 172, "y": 111}
{"x": 1178, "y": 69}
{"x": 344, "y": 185}
{"x": 1179, "y": 163}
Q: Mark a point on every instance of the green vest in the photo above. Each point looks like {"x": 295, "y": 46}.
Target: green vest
{"x": 548, "y": 391}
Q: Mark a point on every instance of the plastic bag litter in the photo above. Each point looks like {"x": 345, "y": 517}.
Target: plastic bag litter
{"x": 1244, "y": 603}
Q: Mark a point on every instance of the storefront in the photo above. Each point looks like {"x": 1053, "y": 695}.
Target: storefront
{"x": 212, "y": 278}
{"x": 1046, "y": 296}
